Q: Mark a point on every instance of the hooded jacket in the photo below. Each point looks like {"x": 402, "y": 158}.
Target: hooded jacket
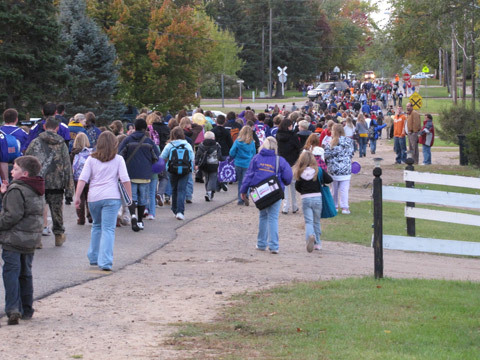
{"x": 207, "y": 147}
{"x": 288, "y": 146}
{"x": 262, "y": 166}
{"x": 242, "y": 153}
{"x": 50, "y": 149}
{"x": 21, "y": 219}
{"x": 140, "y": 165}
{"x": 308, "y": 184}
{"x": 339, "y": 159}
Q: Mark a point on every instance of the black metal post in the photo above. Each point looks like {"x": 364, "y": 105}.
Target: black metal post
{"x": 378, "y": 222}
{"x": 410, "y": 185}
{"x": 462, "y": 144}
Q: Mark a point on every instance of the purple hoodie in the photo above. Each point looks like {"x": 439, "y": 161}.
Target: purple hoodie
{"x": 263, "y": 166}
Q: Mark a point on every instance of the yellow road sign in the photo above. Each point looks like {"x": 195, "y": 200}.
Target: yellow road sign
{"x": 416, "y": 100}
{"x": 425, "y": 69}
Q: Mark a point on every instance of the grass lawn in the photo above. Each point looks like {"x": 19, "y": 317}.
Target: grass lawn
{"x": 356, "y": 318}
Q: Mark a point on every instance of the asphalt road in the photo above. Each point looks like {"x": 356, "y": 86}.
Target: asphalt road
{"x": 57, "y": 268}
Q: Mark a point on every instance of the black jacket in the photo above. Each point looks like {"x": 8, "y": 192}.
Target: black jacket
{"x": 163, "y": 133}
{"x": 223, "y": 137}
{"x": 288, "y": 146}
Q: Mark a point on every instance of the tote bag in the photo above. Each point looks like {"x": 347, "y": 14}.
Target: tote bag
{"x": 328, "y": 206}
{"x": 226, "y": 170}
{"x": 268, "y": 191}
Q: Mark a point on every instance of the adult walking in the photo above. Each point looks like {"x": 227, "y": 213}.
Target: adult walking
{"x": 263, "y": 166}
{"x": 102, "y": 170}
{"x": 362, "y": 131}
{"x": 400, "y": 143}
{"x": 414, "y": 125}
{"x": 289, "y": 148}
{"x": 338, "y": 155}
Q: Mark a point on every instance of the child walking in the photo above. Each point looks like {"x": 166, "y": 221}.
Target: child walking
{"x": 208, "y": 155}
{"x": 305, "y": 172}
{"x": 21, "y": 222}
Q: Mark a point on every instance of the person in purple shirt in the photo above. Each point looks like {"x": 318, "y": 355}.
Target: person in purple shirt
{"x": 10, "y": 118}
{"x": 49, "y": 109}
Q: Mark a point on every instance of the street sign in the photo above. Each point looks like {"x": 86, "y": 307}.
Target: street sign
{"x": 425, "y": 69}
{"x": 336, "y": 69}
{"x": 406, "y": 77}
{"x": 240, "y": 81}
{"x": 416, "y": 100}
{"x": 282, "y": 78}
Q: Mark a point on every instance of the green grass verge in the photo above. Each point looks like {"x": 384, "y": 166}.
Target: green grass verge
{"x": 356, "y": 318}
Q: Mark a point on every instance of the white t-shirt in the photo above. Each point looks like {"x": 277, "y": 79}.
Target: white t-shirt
{"x": 103, "y": 177}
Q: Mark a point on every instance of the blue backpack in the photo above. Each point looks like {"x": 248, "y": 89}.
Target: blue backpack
{"x": 179, "y": 160}
{"x": 13, "y": 145}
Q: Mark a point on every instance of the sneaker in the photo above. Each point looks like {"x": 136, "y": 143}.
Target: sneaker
{"x": 141, "y": 225}
{"x": 150, "y": 217}
{"x": 317, "y": 247}
{"x": 180, "y": 216}
{"x": 207, "y": 196}
{"x": 212, "y": 194}
{"x": 247, "y": 202}
{"x": 224, "y": 187}
{"x": 285, "y": 212}
{"x": 13, "y": 318}
{"x": 167, "y": 200}
{"x": 188, "y": 201}
{"x": 46, "y": 231}
{"x": 160, "y": 199}
{"x": 274, "y": 251}
{"x": 259, "y": 248}
{"x": 310, "y": 243}
{"x": 145, "y": 213}
{"x": 135, "y": 223}
{"x": 60, "y": 239}
{"x": 345, "y": 211}
{"x": 295, "y": 211}
{"x": 28, "y": 316}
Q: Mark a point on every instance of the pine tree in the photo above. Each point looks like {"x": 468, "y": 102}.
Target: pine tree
{"x": 31, "y": 66}
{"x": 90, "y": 60}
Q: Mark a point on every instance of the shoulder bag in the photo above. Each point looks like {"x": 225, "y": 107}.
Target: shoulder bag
{"x": 268, "y": 191}
{"x": 328, "y": 206}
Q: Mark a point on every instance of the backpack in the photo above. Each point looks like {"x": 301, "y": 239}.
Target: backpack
{"x": 212, "y": 157}
{"x": 79, "y": 162}
{"x": 13, "y": 145}
{"x": 154, "y": 135}
{"x": 179, "y": 160}
{"x": 371, "y": 131}
{"x": 260, "y": 131}
{"x": 234, "y": 133}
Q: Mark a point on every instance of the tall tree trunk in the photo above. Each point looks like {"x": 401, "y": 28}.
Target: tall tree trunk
{"x": 464, "y": 69}
{"x": 454, "y": 68}
{"x": 440, "y": 72}
{"x": 446, "y": 78}
{"x": 473, "y": 61}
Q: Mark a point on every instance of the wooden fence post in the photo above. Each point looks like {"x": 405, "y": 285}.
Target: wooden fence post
{"x": 410, "y": 184}
{"x": 377, "y": 223}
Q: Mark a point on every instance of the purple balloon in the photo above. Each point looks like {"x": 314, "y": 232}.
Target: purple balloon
{"x": 159, "y": 166}
{"x": 356, "y": 167}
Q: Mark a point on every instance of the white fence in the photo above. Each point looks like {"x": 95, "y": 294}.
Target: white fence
{"x": 439, "y": 198}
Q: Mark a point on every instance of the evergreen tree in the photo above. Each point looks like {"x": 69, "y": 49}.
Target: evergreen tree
{"x": 90, "y": 60}
{"x": 31, "y": 66}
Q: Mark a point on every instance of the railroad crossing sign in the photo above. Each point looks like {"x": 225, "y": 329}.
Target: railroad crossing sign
{"x": 425, "y": 69}
{"x": 406, "y": 77}
{"x": 416, "y": 100}
{"x": 282, "y": 75}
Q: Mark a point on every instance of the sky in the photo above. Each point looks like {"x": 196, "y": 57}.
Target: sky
{"x": 382, "y": 15}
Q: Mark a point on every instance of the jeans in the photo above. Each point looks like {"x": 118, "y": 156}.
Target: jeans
{"x": 18, "y": 282}
{"x": 290, "y": 198}
{"x": 373, "y": 145}
{"x": 104, "y": 214}
{"x": 189, "y": 193}
{"x": 400, "y": 148}
{"x": 165, "y": 185}
{"x": 210, "y": 180}
{"x": 362, "y": 146}
{"x": 341, "y": 188}
{"x": 179, "y": 191}
{"x": 312, "y": 211}
{"x": 427, "y": 154}
{"x": 240, "y": 171}
{"x": 268, "y": 227}
{"x": 413, "y": 146}
{"x": 140, "y": 193}
{"x": 152, "y": 192}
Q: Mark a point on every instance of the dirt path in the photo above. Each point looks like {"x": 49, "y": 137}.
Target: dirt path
{"x": 126, "y": 315}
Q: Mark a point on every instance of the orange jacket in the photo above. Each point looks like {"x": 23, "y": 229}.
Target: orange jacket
{"x": 399, "y": 125}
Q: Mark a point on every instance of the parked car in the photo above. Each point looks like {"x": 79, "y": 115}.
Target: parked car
{"x": 369, "y": 75}
{"x": 422, "y": 75}
{"x": 327, "y": 86}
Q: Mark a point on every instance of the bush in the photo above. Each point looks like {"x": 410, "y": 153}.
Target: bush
{"x": 456, "y": 120}
{"x": 473, "y": 148}
{"x": 211, "y": 88}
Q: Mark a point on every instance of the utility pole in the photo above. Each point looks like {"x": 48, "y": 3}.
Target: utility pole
{"x": 454, "y": 67}
{"x": 263, "y": 57}
{"x": 440, "y": 72}
{"x": 270, "y": 83}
